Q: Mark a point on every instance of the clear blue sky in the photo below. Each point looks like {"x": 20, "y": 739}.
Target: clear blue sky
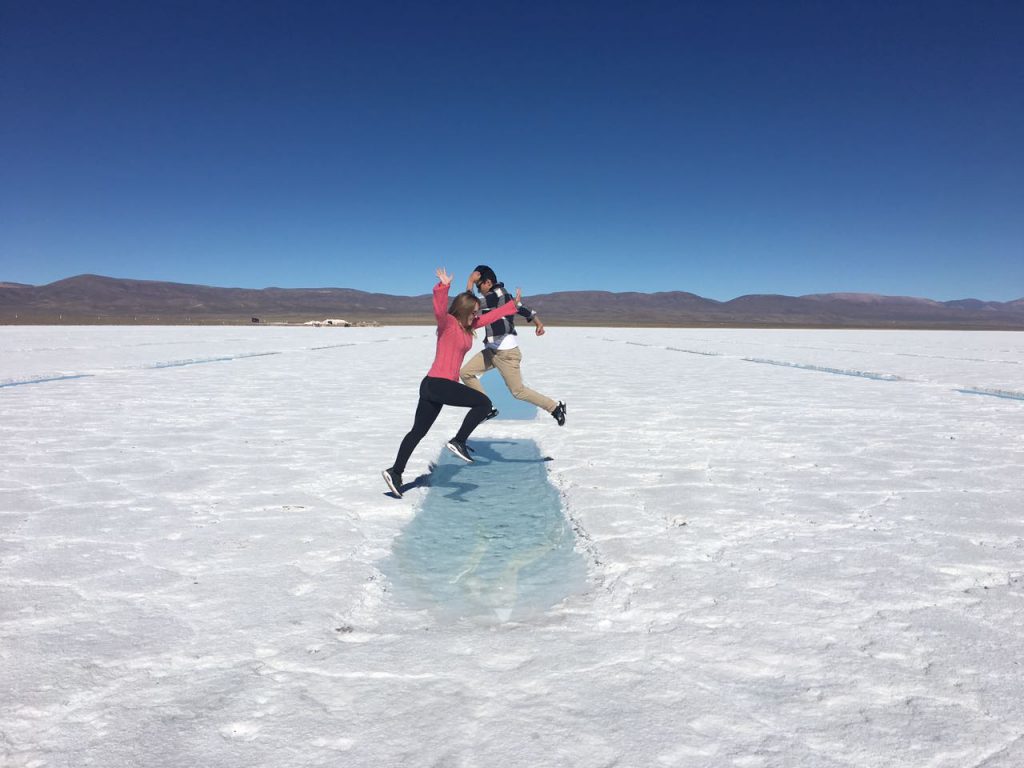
{"x": 722, "y": 148}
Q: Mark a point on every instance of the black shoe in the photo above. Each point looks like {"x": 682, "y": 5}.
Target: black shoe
{"x": 559, "y": 413}
{"x": 394, "y": 481}
{"x": 492, "y": 414}
{"x": 460, "y": 449}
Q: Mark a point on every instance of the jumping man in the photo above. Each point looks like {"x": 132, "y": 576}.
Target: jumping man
{"x": 501, "y": 347}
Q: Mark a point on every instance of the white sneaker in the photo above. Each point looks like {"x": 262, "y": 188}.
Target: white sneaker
{"x": 460, "y": 449}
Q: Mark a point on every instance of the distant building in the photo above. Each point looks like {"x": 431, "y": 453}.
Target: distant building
{"x": 255, "y": 320}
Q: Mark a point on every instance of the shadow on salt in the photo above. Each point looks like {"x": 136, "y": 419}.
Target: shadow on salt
{"x": 491, "y": 542}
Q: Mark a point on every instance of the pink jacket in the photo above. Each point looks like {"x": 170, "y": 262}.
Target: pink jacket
{"x": 453, "y": 342}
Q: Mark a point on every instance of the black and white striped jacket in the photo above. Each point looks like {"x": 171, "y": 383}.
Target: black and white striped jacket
{"x": 497, "y": 331}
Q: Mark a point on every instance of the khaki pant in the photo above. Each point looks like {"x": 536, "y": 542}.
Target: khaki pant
{"x": 507, "y": 362}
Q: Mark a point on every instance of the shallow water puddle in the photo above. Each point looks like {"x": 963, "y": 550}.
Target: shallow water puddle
{"x": 1005, "y": 394}
{"x": 823, "y": 369}
{"x": 203, "y": 360}
{"x": 45, "y": 379}
{"x": 491, "y": 540}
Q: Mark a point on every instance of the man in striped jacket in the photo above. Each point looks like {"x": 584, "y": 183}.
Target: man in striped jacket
{"x": 501, "y": 347}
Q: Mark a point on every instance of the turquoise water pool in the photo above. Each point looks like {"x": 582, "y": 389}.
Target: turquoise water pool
{"x": 491, "y": 540}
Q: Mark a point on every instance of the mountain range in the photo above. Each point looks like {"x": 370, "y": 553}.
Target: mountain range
{"x": 94, "y": 299}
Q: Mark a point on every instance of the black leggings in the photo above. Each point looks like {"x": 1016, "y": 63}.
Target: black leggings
{"x": 434, "y": 393}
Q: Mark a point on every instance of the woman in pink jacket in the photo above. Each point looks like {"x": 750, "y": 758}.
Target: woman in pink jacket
{"x": 441, "y": 385}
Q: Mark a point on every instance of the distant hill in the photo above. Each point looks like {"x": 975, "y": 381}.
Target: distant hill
{"x": 96, "y": 299}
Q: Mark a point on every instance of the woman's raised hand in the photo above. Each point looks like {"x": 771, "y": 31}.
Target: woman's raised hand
{"x": 443, "y": 276}
{"x": 519, "y": 295}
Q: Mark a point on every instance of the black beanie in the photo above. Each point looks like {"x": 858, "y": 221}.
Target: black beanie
{"x": 486, "y": 273}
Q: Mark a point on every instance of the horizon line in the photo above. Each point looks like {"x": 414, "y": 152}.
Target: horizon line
{"x": 834, "y": 294}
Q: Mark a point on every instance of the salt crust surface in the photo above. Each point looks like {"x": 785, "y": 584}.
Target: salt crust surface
{"x": 790, "y": 564}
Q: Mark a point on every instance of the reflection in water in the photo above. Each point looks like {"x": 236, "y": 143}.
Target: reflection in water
{"x": 490, "y": 540}
{"x": 508, "y": 407}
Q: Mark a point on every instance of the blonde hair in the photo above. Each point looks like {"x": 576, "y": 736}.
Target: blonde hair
{"x": 463, "y": 308}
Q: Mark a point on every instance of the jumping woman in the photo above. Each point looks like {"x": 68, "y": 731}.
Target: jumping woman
{"x": 441, "y": 385}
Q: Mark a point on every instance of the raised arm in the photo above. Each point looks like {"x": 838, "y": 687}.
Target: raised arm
{"x": 441, "y": 294}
